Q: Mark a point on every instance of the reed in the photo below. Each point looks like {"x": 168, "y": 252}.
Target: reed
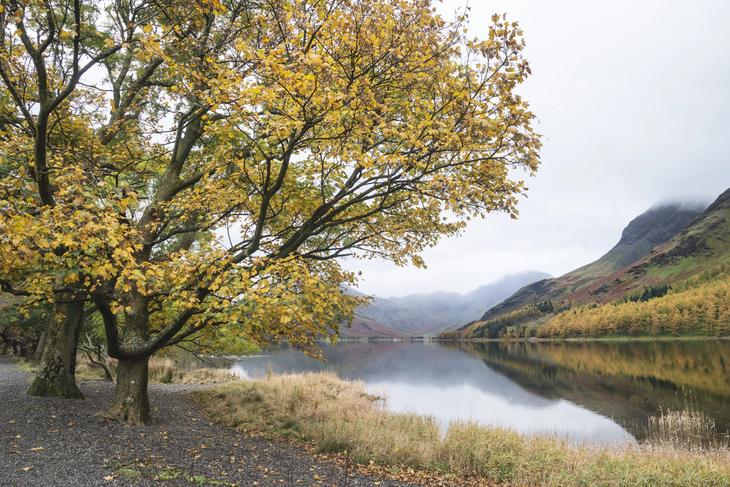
{"x": 688, "y": 429}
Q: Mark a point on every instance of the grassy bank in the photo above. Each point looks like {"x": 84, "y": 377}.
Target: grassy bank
{"x": 163, "y": 370}
{"x": 339, "y": 416}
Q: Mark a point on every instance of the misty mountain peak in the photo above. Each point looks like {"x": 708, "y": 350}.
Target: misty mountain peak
{"x": 652, "y": 228}
{"x": 428, "y": 314}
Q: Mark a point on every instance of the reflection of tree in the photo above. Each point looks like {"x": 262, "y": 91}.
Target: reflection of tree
{"x": 700, "y": 366}
{"x": 626, "y": 381}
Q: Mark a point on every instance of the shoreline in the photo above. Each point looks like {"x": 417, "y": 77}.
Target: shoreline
{"x": 534, "y": 339}
{"x": 318, "y": 408}
{"x": 62, "y": 442}
{"x": 585, "y": 339}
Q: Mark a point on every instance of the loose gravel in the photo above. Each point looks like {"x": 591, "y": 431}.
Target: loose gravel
{"x": 62, "y": 442}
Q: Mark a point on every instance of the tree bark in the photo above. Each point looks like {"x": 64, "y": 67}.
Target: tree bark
{"x": 40, "y": 348}
{"x": 56, "y": 376}
{"x": 131, "y": 404}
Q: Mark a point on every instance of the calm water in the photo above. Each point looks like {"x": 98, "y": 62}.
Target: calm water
{"x": 587, "y": 390}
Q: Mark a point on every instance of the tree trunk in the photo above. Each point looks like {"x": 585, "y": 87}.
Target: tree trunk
{"x": 131, "y": 404}
{"x": 38, "y": 354}
{"x": 56, "y": 376}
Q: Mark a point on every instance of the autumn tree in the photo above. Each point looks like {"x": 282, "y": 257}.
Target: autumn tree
{"x": 194, "y": 169}
{"x": 43, "y": 132}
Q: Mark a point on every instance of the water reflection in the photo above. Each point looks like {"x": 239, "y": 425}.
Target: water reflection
{"x": 469, "y": 382}
{"x": 627, "y": 381}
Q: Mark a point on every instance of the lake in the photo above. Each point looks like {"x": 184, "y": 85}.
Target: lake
{"x": 591, "y": 391}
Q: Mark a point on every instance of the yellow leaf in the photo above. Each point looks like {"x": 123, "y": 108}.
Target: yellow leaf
{"x": 36, "y": 449}
{"x": 147, "y": 29}
{"x": 26, "y": 469}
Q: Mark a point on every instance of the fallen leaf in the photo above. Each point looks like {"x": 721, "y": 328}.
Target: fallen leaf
{"x": 36, "y": 449}
{"x": 27, "y": 468}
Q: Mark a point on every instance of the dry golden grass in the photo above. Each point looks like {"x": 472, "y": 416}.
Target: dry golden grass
{"x": 303, "y": 405}
{"x": 341, "y": 416}
{"x": 161, "y": 370}
{"x": 164, "y": 370}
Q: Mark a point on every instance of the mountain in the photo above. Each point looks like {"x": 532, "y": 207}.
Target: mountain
{"x": 666, "y": 243}
{"x": 703, "y": 244}
{"x": 428, "y": 314}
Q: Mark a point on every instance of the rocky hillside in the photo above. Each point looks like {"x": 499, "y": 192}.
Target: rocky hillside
{"x": 428, "y": 314}
{"x": 703, "y": 244}
{"x": 639, "y": 258}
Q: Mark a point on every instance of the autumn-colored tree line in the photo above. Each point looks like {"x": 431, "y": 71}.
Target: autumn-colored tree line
{"x": 449, "y": 335}
{"x": 493, "y": 328}
{"x": 698, "y": 306}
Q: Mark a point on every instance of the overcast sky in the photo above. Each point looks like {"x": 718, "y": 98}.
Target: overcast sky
{"x": 633, "y": 102}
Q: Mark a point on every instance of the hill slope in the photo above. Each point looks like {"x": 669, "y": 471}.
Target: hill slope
{"x": 660, "y": 246}
{"x": 700, "y": 246}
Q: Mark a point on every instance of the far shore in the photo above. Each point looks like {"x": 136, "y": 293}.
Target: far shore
{"x": 593, "y": 339}
{"x": 535, "y": 339}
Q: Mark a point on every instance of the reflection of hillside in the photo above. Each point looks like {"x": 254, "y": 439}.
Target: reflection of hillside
{"x": 627, "y": 381}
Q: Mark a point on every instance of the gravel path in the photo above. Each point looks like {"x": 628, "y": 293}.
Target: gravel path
{"x": 61, "y": 442}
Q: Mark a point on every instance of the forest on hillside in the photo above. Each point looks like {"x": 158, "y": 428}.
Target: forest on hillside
{"x": 498, "y": 327}
{"x": 699, "y": 306}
